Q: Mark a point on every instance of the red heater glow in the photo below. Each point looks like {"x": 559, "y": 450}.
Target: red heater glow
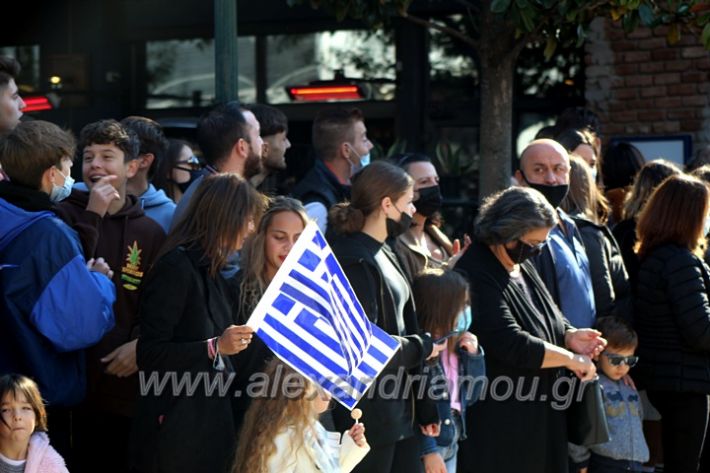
{"x": 36, "y": 104}
{"x": 318, "y": 93}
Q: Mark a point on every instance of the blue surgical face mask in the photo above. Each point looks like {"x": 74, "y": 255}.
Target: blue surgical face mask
{"x": 594, "y": 174}
{"x": 59, "y": 193}
{"x": 463, "y": 322}
{"x": 362, "y": 161}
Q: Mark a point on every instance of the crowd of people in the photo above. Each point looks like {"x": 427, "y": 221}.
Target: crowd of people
{"x": 148, "y": 269}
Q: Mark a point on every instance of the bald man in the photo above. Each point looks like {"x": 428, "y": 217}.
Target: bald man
{"x": 563, "y": 263}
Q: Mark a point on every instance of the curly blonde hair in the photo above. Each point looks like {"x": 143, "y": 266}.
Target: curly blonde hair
{"x": 270, "y": 415}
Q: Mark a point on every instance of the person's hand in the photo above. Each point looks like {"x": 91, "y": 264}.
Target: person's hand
{"x": 357, "y": 433}
{"x": 583, "y": 470}
{"x": 469, "y": 343}
{"x": 457, "y": 251}
{"x": 629, "y": 382}
{"x": 434, "y": 463}
{"x": 436, "y": 348}
{"x": 431, "y": 430}
{"x": 102, "y": 194}
{"x": 582, "y": 366}
{"x": 456, "y": 246}
{"x": 100, "y": 266}
{"x": 585, "y": 341}
{"x": 234, "y": 339}
{"x": 122, "y": 361}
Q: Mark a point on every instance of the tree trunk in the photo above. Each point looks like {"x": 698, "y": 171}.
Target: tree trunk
{"x": 497, "y": 60}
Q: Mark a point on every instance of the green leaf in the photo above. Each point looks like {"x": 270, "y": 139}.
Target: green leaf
{"x": 550, "y": 47}
{"x": 706, "y": 36}
{"x": 500, "y": 6}
{"x": 646, "y": 14}
{"x": 683, "y": 9}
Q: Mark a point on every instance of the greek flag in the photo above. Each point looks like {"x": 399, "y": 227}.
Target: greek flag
{"x": 310, "y": 318}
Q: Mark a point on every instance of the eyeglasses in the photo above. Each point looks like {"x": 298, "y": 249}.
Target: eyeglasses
{"x": 617, "y": 360}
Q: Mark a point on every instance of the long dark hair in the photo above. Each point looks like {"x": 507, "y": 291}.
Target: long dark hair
{"x": 217, "y": 219}
{"x": 163, "y": 178}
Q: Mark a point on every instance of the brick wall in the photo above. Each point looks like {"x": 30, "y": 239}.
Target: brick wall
{"x": 641, "y": 86}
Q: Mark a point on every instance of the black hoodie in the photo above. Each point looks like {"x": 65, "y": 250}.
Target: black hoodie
{"x": 129, "y": 242}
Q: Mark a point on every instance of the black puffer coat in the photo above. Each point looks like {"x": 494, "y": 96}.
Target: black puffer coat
{"x": 672, "y": 318}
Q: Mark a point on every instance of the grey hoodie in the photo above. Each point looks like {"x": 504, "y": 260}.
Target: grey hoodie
{"x": 624, "y": 416}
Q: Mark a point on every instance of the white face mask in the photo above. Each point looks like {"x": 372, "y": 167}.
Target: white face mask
{"x": 594, "y": 174}
{"x": 59, "y": 193}
{"x": 706, "y": 226}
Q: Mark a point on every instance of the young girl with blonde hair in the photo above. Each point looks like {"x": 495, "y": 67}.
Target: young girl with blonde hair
{"x": 281, "y": 432}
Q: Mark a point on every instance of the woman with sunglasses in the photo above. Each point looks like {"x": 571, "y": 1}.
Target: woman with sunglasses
{"x": 177, "y": 170}
{"x": 528, "y": 341}
{"x": 672, "y": 315}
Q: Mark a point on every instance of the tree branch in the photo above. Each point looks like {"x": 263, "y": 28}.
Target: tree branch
{"x": 444, "y": 29}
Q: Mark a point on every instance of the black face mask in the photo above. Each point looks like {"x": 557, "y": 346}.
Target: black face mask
{"x": 554, "y": 194}
{"x": 184, "y": 185}
{"x": 523, "y": 251}
{"x": 429, "y": 201}
{"x": 396, "y": 228}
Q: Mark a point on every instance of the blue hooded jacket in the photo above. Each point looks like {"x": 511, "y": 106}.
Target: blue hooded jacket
{"x": 51, "y": 306}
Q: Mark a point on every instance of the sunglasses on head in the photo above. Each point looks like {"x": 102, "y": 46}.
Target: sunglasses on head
{"x": 617, "y": 360}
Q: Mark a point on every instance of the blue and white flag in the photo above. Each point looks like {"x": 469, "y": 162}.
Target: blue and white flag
{"x": 310, "y": 318}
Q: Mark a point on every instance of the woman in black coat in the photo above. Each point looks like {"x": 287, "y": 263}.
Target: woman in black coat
{"x": 672, "y": 316}
{"x": 381, "y": 208}
{"x": 530, "y": 342}
{"x": 188, "y": 334}
{"x": 648, "y": 178}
